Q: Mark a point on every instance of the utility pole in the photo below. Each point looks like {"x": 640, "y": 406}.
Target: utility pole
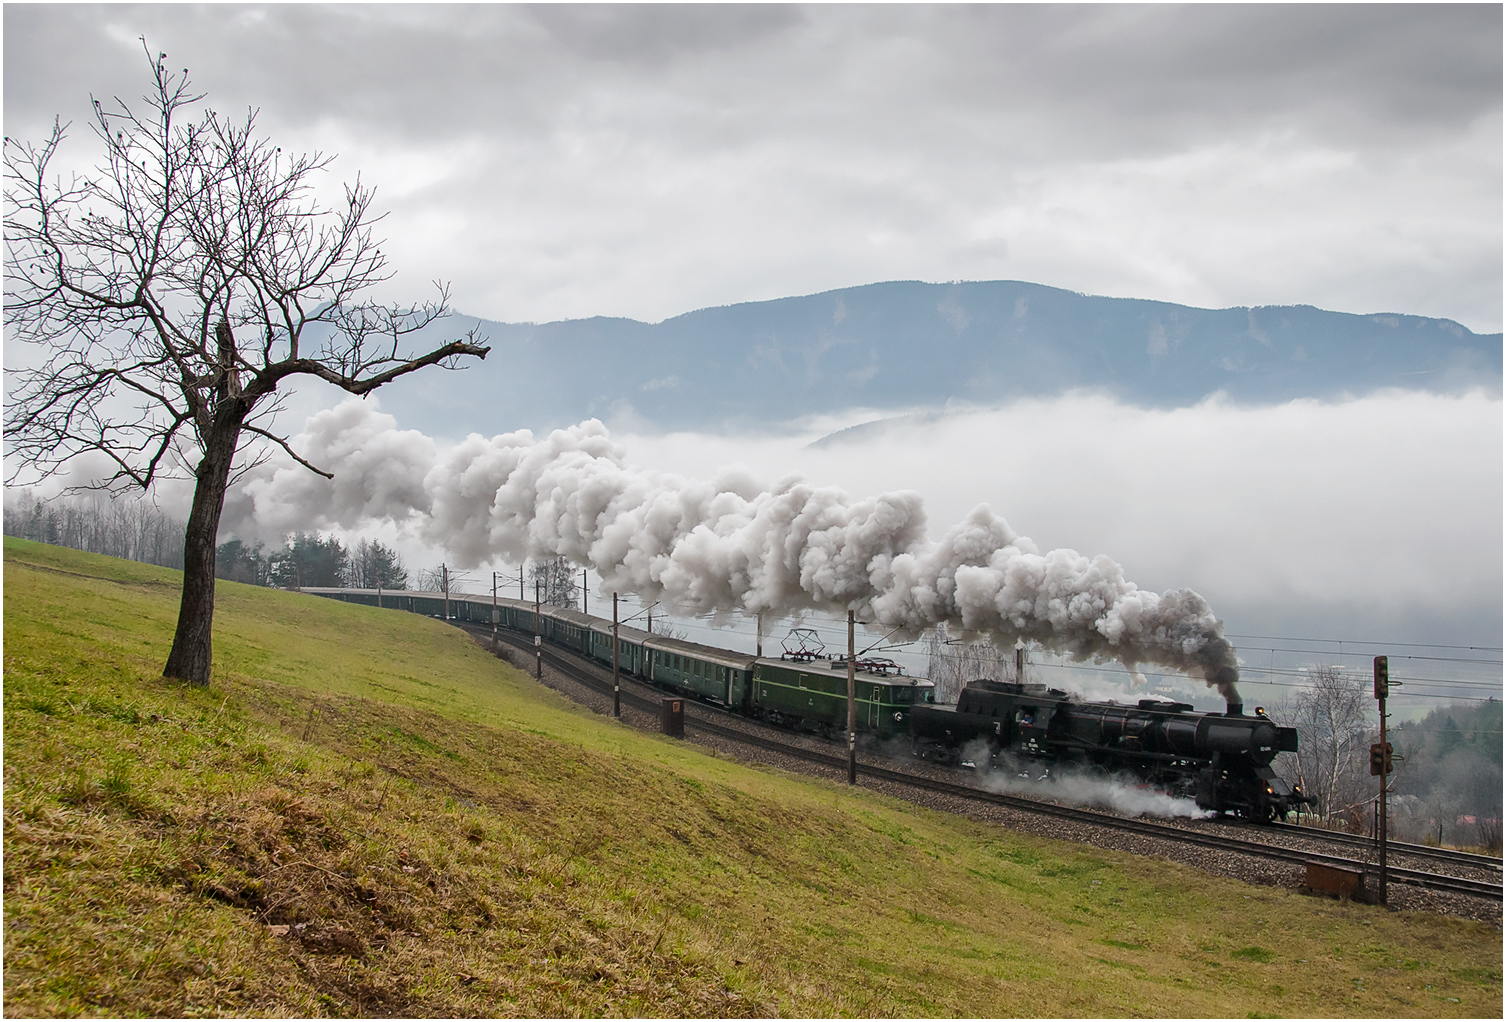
{"x": 616, "y": 681}
{"x": 585, "y": 593}
{"x": 379, "y": 592}
{"x": 758, "y": 642}
{"x": 444, "y": 573}
{"x": 852, "y": 701}
{"x": 538, "y": 630}
{"x": 522, "y": 570}
{"x": 1382, "y": 689}
{"x": 494, "y": 612}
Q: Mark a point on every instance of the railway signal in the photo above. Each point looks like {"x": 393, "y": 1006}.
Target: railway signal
{"x": 1380, "y": 766}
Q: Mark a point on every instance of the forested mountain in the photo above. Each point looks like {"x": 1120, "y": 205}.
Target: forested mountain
{"x": 908, "y": 344}
{"x": 1451, "y": 766}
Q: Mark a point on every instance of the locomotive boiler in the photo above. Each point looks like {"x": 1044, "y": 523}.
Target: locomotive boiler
{"x": 1221, "y": 760}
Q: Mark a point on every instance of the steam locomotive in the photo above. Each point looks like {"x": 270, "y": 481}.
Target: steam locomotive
{"x": 1222, "y": 760}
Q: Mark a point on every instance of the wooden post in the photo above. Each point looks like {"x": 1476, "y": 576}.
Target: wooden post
{"x": 852, "y": 704}
{"x": 444, "y": 574}
{"x": 585, "y": 592}
{"x": 538, "y": 629}
{"x": 616, "y": 681}
{"x": 379, "y": 592}
{"x": 494, "y": 612}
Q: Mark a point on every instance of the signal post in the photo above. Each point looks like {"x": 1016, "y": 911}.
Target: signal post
{"x": 1380, "y": 766}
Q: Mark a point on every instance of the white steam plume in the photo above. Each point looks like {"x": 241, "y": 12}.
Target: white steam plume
{"x": 1122, "y": 794}
{"x": 727, "y": 544}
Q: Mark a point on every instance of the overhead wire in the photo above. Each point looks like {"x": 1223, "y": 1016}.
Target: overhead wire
{"x": 1362, "y": 642}
{"x": 1423, "y": 687}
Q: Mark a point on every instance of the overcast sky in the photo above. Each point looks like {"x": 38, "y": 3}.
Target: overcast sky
{"x": 560, "y": 162}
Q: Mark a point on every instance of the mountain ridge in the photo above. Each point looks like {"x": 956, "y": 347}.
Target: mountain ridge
{"x": 909, "y": 345}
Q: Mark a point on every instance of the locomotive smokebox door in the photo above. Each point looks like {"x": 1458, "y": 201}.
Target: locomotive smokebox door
{"x": 672, "y": 717}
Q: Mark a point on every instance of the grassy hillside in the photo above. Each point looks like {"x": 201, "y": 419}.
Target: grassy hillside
{"x": 367, "y": 814}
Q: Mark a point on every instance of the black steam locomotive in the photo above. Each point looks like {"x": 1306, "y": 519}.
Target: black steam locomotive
{"x": 1222, "y": 760}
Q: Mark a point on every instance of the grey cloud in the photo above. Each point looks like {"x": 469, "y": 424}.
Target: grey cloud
{"x": 647, "y": 160}
{"x": 657, "y": 34}
{"x": 1131, "y": 72}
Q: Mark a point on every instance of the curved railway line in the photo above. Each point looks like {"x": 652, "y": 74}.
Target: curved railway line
{"x": 1296, "y": 845}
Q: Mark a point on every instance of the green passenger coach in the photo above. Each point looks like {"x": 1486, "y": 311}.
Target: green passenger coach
{"x": 806, "y": 693}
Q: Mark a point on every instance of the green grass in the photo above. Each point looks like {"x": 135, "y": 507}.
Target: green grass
{"x": 368, "y": 814}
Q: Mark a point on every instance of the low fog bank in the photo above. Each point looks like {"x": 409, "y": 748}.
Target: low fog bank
{"x": 1380, "y": 514}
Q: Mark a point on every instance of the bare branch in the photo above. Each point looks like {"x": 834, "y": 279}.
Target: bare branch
{"x": 280, "y": 442}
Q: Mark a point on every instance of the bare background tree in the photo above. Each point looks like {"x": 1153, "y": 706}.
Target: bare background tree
{"x": 1334, "y": 715}
{"x": 372, "y": 565}
{"x": 129, "y": 527}
{"x": 953, "y": 664}
{"x": 557, "y": 579}
{"x": 661, "y": 625}
{"x": 164, "y": 296}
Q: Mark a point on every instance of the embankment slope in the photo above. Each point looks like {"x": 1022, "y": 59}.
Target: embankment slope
{"x": 367, "y": 814}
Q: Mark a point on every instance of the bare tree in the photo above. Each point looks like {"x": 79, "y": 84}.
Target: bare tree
{"x": 168, "y": 292}
{"x": 373, "y": 565}
{"x": 134, "y": 529}
{"x": 1335, "y": 727}
{"x": 952, "y": 664}
{"x": 556, "y": 582}
{"x": 662, "y": 625}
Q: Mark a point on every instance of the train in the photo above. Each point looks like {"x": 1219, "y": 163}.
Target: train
{"x": 1221, "y": 760}
{"x": 804, "y": 689}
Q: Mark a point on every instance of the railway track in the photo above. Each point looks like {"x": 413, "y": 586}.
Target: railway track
{"x": 593, "y": 677}
{"x": 1449, "y": 855}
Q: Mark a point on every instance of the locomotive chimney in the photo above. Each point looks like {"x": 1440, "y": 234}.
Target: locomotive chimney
{"x": 1236, "y": 709}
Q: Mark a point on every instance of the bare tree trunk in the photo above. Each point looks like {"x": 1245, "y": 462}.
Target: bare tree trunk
{"x": 191, "y": 652}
